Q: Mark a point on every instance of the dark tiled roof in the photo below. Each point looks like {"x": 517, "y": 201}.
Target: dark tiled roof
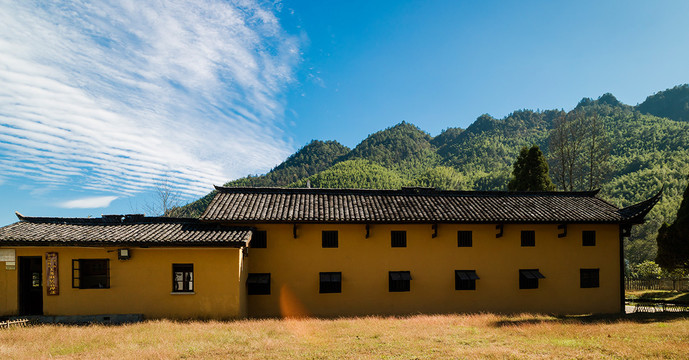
{"x": 414, "y": 205}
{"x": 636, "y": 213}
{"x": 132, "y": 230}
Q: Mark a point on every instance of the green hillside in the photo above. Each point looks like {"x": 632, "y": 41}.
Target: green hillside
{"x": 647, "y": 152}
{"x": 403, "y": 148}
{"x": 485, "y": 151}
{"x": 671, "y": 103}
{"x": 357, "y": 173}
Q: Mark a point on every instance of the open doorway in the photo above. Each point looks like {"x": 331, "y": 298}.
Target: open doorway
{"x": 30, "y": 285}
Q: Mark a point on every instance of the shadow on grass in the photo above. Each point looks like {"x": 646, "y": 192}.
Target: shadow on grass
{"x": 680, "y": 297}
{"x": 641, "y": 318}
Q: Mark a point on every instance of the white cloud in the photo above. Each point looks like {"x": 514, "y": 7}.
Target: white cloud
{"x": 117, "y": 97}
{"x": 88, "y": 203}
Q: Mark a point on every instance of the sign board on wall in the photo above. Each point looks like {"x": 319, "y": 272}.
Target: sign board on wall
{"x": 7, "y": 255}
{"x": 51, "y": 273}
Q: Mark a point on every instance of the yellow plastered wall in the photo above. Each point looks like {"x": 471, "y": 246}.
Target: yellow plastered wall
{"x": 8, "y": 290}
{"x": 140, "y": 285}
{"x": 294, "y": 265}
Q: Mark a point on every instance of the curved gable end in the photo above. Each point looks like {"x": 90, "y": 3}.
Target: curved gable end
{"x": 636, "y": 213}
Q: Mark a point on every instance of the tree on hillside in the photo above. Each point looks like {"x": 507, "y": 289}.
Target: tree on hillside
{"x": 673, "y": 240}
{"x": 579, "y": 150}
{"x": 530, "y": 172}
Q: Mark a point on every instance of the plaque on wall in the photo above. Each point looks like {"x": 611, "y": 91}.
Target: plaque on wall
{"x": 52, "y": 286}
{"x": 7, "y": 255}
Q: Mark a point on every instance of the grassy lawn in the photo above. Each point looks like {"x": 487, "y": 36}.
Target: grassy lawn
{"x": 414, "y": 337}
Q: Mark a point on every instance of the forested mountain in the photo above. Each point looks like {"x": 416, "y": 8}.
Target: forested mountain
{"x": 403, "y": 148}
{"x": 671, "y": 103}
{"x": 648, "y": 149}
{"x": 314, "y": 157}
{"x": 485, "y": 151}
{"x": 356, "y": 173}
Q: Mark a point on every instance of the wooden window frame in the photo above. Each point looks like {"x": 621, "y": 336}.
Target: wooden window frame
{"x": 330, "y": 282}
{"x": 329, "y": 239}
{"x": 79, "y": 279}
{"x": 188, "y": 278}
{"x": 464, "y": 238}
{"x": 398, "y": 238}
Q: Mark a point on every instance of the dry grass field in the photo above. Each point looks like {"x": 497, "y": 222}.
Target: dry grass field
{"x": 415, "y": 337}
{"x": 658, "y": 295}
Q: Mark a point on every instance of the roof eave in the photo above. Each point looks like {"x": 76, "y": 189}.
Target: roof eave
{"x": 139, "y": 244}
{"x": 635, "y": 214}
{"x": 416, "y": 222}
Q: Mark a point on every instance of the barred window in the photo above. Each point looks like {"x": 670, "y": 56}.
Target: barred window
{"x": 330, "y": 282}
{"x": 528, "y": 238}
{"x": 258, "y": 284}
{"x": 588, "y": 238}
{"x": 465, "y": 279}
{"x": 589, "y": 278}
{"x": 329, "y": 239}
{"x": 528, "y": 278}
{"x": 398, "y": 238}
{"x": 464, "y": 238}
{"x": 399, "y": 281}
{"x": 182, "y": 277}
{"x": 91, "y": 273}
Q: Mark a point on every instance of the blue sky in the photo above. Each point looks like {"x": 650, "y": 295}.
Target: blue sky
{"x": 102, "y": 102}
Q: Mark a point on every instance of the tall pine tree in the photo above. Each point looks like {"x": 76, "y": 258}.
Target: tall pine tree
{"x": 673, "y": 240}
{"x": 530, "y": 172}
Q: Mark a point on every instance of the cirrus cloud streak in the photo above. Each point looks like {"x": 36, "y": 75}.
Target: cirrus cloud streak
{"x": 88, "y": 203}
{"x": 120, "y": 96}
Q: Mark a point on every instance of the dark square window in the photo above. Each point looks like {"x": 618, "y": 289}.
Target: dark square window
{"x": 329, "y": 239}
{"x": 465, "y": 279}
{"x": 398, "y": 238}
{"x": 259, "y": 240}
{"x": 330, "y": 282}
{"x": 589, "y": 278}
{"x": 588, "y": 238}
{"x": 399, "y": 281}
{"x": 528, "y": 238}
{"x": 528, "y": 278}
{"x": 464, "y": 238}
{"x": 91, "y": 273}
{"x": 258, "y": 284}
{"x": 182, "y": 277}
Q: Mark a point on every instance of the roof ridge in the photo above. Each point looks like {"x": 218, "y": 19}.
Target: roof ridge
{"x": 403, "y": 191}
{"x": 113, "y": 219}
